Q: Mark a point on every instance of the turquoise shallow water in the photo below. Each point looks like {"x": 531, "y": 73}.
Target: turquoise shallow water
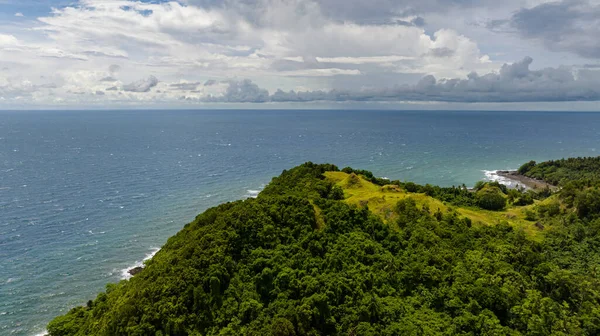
{"x": 86, "y": 194}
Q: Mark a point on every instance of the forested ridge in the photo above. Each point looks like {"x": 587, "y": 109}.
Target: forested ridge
{"x": 327, "y": 252}
{"x": 561, "y": 172}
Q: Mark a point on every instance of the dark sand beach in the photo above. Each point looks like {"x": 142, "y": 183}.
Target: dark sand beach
{"x": 526, "y": 181}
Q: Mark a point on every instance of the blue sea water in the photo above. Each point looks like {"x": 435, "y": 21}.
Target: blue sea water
{"x": 85, "y": 195}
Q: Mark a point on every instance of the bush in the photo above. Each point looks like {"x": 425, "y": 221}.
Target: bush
{"x": 429, "y": 190}
{"x": 549, "y": 210}
{"x": 411, "y": 187}
{"x": 526, "y": 167}
{"x": 524, "y": 199}
{"x": 336, "y": 193}
{"x": 491, "y": 198}
{"x": 479, "y": 185}
{"x": 530, "y": 215}
{"x": 587, "y": 203}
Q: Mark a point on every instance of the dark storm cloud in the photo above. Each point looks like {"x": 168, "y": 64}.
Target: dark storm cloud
{"x": 513, "y": 83}
{"x": 572, "y": 26}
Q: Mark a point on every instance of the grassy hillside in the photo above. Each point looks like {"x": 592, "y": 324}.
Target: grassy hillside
{"x": 325, "y": 252}
{"x": 381, "y": 201}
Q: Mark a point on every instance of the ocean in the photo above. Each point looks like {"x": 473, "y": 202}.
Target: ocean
{"x": 86, "y": 195}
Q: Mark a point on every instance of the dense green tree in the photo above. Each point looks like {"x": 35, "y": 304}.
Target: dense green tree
{"x": 560, "y": 172}
{"x": 524, "y": 169}
{"x": 491, "y": 198}
{"x": 298, "y": 260}
{"x": 587, "y": 202}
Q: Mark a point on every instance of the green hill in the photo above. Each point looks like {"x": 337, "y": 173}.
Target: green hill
{"x": 561, "y": 172}
{"x": 329, "y": 252}
{"x": 382, "y": 199}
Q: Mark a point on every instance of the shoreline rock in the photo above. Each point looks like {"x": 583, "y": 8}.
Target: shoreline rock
{"x": 526, "y": 181}
{"x": 134, "y": 271}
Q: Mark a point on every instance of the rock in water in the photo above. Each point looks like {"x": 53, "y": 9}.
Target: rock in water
{"x": 135, "y": 270}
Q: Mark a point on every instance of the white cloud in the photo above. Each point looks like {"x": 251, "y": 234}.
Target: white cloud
{"x": 320, "y": 72}
{"x": 513, "y": 83}
{"x": 142, "y": 85}
{"x": 96, "y": 45}
{"x": 185, "y": 86}
{"x": 364, "y": 59}
{"x": 19, "y": 15}
{"x": 8, "y": 41}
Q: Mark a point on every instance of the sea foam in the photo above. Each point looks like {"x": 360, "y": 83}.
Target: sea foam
{"x": 252, "y": 193}
{"x": 125, "y": 272}
{"x": 493, "y": 176}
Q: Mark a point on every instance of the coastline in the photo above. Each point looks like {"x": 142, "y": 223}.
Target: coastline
{"x": 525, "y": 181}
{"x": 128, "y": 272}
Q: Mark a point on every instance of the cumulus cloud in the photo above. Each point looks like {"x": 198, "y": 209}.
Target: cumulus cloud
{"x": 568, "y": 25}
{"x": 370, "y": 12}
{"x": 23, "y": 89}
{"x": 142, "y": 85}
{"x": 8, "y": 41}
{"x": 284, "y": 43}
{"x": 331, "y": 50}
{"x": 243, "y": 38}
{"x": 513, "y": 83}
{"x": 244, "y": 91}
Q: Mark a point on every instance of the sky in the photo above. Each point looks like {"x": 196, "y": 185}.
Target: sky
{"x": 415, "y": 54}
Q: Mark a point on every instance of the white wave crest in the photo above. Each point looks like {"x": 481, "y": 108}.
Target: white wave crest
{"x": 252, "y": 193}
{"x": 125, "y": 272}
{"x": 492, "y": 176}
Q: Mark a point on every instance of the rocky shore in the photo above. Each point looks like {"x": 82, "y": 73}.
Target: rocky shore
{"x": 135, "y": 270}
{"x": 528, "y": 182}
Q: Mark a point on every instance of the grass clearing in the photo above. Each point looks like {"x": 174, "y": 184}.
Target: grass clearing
{"x": 382, "y": 200}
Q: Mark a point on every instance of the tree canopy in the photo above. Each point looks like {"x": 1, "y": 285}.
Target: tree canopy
{"x": 298, "y": 260}
{"x": 560, "y": 172}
